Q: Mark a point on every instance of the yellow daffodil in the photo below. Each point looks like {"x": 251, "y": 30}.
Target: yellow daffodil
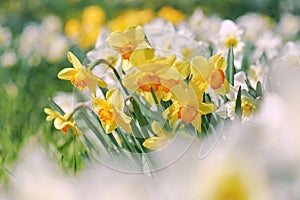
{"x": 62, "y": 123}
{"x": 170, "y": 14}
{"x": 84, "y": 32}
{"x": 110, "y": 111}
{"x": 152, "y": 72}
{"x": 190, "y": 106}
{"x": 212, "y": 71}
{"x": 130, "y": 17}
{"x": 161, "y": 140}
{"x": 80, "y": 76}
{"x": 127, "y": 41}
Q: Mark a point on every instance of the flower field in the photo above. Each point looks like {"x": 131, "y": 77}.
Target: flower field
{"x": 139, "y": 100}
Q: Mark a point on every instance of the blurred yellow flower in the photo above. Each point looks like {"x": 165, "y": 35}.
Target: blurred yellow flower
{"x": 85, "y": 32}
{"x": 170, "y": 14}
{"x": 110, "y": 111}
{"x": 130, "y": 17}
{"x": 80, "y": 76}
{"x": 212, "y": 71}
{"x": 93, "y": 15}
{"x": 62, "y": 123}
{"x": 161, "y": 140}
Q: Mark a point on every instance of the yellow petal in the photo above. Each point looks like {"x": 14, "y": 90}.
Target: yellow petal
{"x": 183, "y": 67}
{"x": 215, "y": 58}
{"x": 59, "y": 124}
{"x": 135, "y": 33}
{"x": 200, "y": 66}
{"x": 221, "y": 64}
{"x": 118, "y": 100}
{"x": 67, "y": 73}
{"x": 155, "y": 143}
{"x": 197, "y": 123}
{"x": 224, "y": 89}
{"x": 117, "y": 40}
{"x": 169, "y": 61}
{"x": 130, "y": 80}
{"x": 158, "y": 129}
{"x": 122, "y": 120}
{"x": 101, "y": 83}
{"x": 142, "y": 56}
{"x": 74, "y": 60}
{"x": 100, "y": 103}
{"x": 50, "y": 112}
{"x": 206, "y": 108}
{"x": 109, "y": 127}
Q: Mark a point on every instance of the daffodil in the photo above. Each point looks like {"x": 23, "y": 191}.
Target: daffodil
{"x": 62, "y": 122}
{"x": 189, "y": 105}
{"x": 212, "y": 71}
{"x": 161, "y": 140}
{"x": 110, "y": 111}
{"x": 152, "y": 73}
{"x": 127, "y": 41}
{"x": 80, "y": 76}
{"x": 170, "y": 14}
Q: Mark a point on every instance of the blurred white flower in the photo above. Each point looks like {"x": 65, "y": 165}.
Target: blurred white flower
{"x": 230, "y": 35}
{"x": 8, "y": 59}
{"x": 290, "y": 54}
{"x": 254, "y": 25}
{"x": 255, "y": 73}
{"x": 288, "y": 26}
{"x": 66, "y": 101}
{"x": 38, "y": 41}
{"x": 52, "y": 24}
{"x": 5, "y": 37}
{"x": 269, "y": 44}
{"x": 57, "y": 48}
{"x": 196, "y": 20}
{"x": 36, "y": 177}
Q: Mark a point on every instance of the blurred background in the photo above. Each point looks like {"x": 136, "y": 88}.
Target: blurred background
{"x": 35, "y": 36}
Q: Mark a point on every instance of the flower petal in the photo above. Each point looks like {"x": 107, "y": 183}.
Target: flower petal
{"x": 142, "y": 56}
{"x": 74, "y": 60}
{"x": 67, "y": 73}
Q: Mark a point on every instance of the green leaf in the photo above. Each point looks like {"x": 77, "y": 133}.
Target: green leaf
{"x": 238, "y": 104}
{"x": 230, "y": 69}
{"x": 246, "y": 56}
{"x": 259, "y": 92}
{"x": 56, "y": 107}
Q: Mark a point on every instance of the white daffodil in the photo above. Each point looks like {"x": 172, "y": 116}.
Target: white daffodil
{"x": 254, "y": 25}
{"x": 288, "y": 26}
{"x": 230, "y": 35}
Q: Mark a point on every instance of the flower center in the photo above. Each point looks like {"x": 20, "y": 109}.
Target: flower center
{"x": 106, "y": 115}
{"x": 148, "y": 81}
{"x": 231, "y": 40}
{"x": 80, "y": 84}
{"x": 187, "y": 113}
{"x": 247, "y": 108}
{"x": 168, "y": 84}
{"x": 65, "y": 129}
{"x": 216, "y": 79}
{"x": 127, "y": 50}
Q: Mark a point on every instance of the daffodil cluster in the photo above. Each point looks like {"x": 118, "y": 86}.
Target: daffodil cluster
{"x": 155, "y": 94}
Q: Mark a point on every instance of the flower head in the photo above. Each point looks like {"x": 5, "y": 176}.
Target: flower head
{"x": 212, "y": 71}
{"x": 62, "y": 122}
{"x": 80, "y": 76}
{"x": 170, "y": 14}
{"x": 110, "y": 111}
{"x": 127, "y": 41}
